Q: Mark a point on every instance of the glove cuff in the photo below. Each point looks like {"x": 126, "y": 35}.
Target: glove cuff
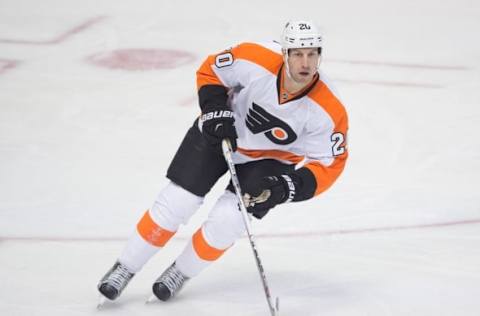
{"x": 289, "y": 188}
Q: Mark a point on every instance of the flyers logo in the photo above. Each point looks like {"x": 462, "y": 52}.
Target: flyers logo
{"x": 260, "y": 121}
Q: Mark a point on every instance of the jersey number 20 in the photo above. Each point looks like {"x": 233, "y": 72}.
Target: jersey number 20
{"x": 223, "y": 60}
{"x": 338, "y": 139}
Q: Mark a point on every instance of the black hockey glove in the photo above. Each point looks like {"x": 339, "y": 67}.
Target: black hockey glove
{"x": 267, "y": 193}
{"x": 218, "y": 124}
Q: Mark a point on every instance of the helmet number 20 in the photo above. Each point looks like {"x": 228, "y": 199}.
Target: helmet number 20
{"x": 304, "y": 26}
{"x": 338, "y": 139}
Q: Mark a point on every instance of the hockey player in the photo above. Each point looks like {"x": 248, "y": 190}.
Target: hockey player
{"x": 288, "y": 130}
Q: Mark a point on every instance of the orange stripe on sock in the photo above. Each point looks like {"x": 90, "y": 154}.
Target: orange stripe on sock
{"x": 151, "y": 232}
{"x": 203, "y": 249}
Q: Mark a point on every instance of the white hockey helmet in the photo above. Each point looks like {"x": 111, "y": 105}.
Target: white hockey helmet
{"x": 301, "y": 34}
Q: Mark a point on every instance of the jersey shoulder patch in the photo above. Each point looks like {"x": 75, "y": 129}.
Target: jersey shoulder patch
{"x": 267, "y": 55}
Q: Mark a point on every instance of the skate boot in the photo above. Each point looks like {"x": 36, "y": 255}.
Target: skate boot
{"x": 169, "y": 283}
{"x": 114, "y": 281}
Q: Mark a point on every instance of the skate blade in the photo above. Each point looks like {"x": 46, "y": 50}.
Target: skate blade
{"x": 101, "y": 301}
{"x": 277, "y": 306}
{"x": 151, "y": 299}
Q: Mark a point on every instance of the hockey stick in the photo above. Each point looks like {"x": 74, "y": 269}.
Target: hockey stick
{"x": 227, "y": 153}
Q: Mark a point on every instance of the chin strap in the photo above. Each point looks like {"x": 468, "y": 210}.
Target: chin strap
{"x": 285, "y": 61}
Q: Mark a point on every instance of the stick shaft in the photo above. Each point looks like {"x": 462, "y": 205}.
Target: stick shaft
{"x": 227, "y": 153}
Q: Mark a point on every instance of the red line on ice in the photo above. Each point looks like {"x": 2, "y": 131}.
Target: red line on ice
{"x": 60, "y": 38}
{"x": 274, "y": 235}
{"x": 398, "y": 65}
{"x": 392, "y": 83}
{"x": 370, "y": 229}
{"x": 7, "y": 64}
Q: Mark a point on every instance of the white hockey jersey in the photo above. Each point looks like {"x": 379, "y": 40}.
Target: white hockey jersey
{"x": 308, "y": 129}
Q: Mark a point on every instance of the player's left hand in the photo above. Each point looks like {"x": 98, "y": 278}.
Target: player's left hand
{"x": 265, "y": 194}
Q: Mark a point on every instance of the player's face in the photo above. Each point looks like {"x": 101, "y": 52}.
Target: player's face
{"x": 303, "y": 63}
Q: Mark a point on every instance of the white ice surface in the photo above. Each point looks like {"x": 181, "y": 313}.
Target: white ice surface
{"x": 84, "y": 150}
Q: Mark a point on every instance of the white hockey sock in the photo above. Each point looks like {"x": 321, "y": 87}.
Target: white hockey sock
{"x": 223, "y": 226}
{"x": 136, "y": 253}
{"x": 173, "y": 206}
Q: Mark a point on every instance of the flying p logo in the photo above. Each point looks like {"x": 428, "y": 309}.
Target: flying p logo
{"x": 260, "y": 121}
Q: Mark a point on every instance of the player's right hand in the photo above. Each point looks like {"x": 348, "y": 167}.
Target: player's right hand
{"x": 267, "y": 192}
{"x": 218, "y": 124}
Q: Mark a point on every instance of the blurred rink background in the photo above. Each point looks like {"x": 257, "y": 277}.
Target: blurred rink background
{"x": 95, "y": 97}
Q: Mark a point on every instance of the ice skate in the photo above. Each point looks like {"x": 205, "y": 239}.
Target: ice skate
{"x": 113, "y": 283}
{"x": 169, "y": 283}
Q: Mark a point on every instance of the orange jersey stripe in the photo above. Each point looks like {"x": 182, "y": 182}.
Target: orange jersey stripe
{"x": 323, "y": 96}
{"x": 255, "y": 53}
{"x": 325, "y": 176}
{"x": 203, "y": 249}
{"x": 151, "y": 232}
{"x": 275, "y": 154}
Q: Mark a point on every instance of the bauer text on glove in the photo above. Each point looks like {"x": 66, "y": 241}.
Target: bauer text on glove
{"x": 218, "y": 124}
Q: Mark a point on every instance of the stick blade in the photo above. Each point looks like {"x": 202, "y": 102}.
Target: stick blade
{"x": 101, "y": 302}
